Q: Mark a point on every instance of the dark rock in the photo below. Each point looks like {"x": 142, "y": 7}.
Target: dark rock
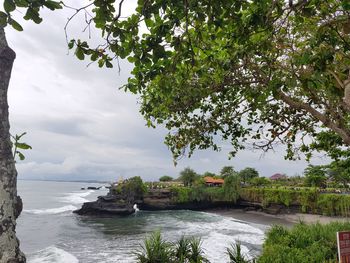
{"x": 93, "y": 188}
{"x": 111, "y": 204}
{"x": 18, "y": 206}
{"x": 274, "y": 209}
{"x": 106, "y": 205}
{"x": 250, "y": 208}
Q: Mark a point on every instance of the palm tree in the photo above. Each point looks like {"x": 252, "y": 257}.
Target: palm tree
{"x": 182, "y": 249}
{"x": 155, "y": 250}
{"x": 235, "y": 254}
{"x": 197, "y": 254}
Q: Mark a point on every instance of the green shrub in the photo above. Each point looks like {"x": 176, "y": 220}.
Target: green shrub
{"x": 198, "y": 193}
{"x": 157, "y": 250}
{"x": 235, "y": 254}
{"x": 232, "y": 186}
{"x": 302, "y": 243}
{"x": 165, "y": 178}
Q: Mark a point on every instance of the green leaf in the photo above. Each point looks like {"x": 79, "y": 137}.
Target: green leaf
{"x": 71, "y": 44}
{"x": 131, "y": 59}
{"x": 33, "y": 14}
{"x": 20, "y": 136}
{"x": 22, "y": 145}
{"x": 21, "y": 156}
{"x": 109, "y": 64}
{"x": 9, "y": 6}
{"x": 3, "y": 19}
{"x": 79, "y": 53}
{"x": 52, "y": 5}
{"x": 16, "y": 25}
{"x": 148, "y": 22}
{"x": 94, "y": 56}
{"x": 21, "y": 3}
{"x": 101, "y": 62}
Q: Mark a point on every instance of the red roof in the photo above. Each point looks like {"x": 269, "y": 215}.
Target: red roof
{"x": 211, "y": 180}
{"x": 278, "y": 176}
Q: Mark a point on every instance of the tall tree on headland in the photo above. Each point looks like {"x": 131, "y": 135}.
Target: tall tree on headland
{"x": 227, "y": 171}
{"x": 188, "y": 176}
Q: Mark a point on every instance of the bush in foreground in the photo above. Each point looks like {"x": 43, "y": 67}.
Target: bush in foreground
{"x": 302, "y": 243}
{"x": 186, "y": 250}
{"x": 157, "y": 250}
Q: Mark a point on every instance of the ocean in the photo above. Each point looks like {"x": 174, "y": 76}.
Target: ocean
{"x": 50, "y": 233}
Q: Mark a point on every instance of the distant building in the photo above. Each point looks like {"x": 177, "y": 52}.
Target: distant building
{"x": 210, "y": 181}
{"x": 278, "y": 177}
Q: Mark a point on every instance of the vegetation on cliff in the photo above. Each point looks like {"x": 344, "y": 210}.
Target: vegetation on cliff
{"x": 199, "y": 192}
{"x": 165, "y": 178}
{"x": 310, "y": 200}
{"x": 131, "y": 189}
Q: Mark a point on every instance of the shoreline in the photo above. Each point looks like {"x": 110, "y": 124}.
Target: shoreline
{"x": 284, "y": 219}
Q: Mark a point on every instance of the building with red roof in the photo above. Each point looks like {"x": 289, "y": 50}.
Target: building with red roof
{"x": 210, "y": 181}
{"x": 278, "y": 177}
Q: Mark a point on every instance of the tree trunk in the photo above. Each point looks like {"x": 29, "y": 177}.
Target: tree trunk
{"x": 10, "y": 203}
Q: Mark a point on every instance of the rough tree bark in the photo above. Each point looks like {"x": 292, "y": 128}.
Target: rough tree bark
{"x": 10, "y": 203}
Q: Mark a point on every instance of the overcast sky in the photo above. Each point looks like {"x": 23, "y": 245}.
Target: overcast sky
{"x": 82, "y": 127}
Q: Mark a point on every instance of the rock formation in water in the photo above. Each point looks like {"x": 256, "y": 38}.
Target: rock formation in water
{"x": 120, "y": 199}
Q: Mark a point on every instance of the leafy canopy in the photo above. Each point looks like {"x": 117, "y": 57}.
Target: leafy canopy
{"x": 227, "y": 171}
{"x": 261, "y": 71}
{"x": 315, "y": 175}
{"x": 188, "y": 176}
{"x": 248, "y": 173}
{"x": 165, "y": 178}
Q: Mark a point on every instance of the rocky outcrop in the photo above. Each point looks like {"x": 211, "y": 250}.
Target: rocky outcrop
{"x": 120, "y": 199}
{"x": 112, "y": 204}
{"x": 154, "y": 199}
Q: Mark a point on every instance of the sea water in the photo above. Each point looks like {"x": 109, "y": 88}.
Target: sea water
{"x": 50, "y": 233}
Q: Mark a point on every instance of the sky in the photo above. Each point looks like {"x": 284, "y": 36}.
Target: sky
{"x": 82, "y": 127}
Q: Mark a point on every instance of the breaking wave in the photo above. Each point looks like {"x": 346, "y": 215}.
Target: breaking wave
{"x": 52, "y": 254}
{"x": 77, "y": 197}
{"x": 51, "y": 211}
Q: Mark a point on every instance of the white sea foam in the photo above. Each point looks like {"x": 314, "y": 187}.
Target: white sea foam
{"x": 221, "y": 224}
{"x": 218, "y": 233}
{"x": 51, "y": 211}
{"x": 77, "y": 197}
{"x": 52, "y": 254}
{"x": 250, "y": 238}
{"x": 215, "y": 247}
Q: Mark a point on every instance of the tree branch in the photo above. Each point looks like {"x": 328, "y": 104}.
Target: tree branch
{"x": 344, "y": 134}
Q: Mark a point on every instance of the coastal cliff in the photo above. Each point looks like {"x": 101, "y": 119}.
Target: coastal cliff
{"x": 153, "y": 199}
{"x": 273, "y": 201}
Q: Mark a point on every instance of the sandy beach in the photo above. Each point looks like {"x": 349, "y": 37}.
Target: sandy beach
{"x": 280, "y": 219}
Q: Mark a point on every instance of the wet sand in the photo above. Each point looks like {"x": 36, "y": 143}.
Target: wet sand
{"x": 281, "y": 219}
